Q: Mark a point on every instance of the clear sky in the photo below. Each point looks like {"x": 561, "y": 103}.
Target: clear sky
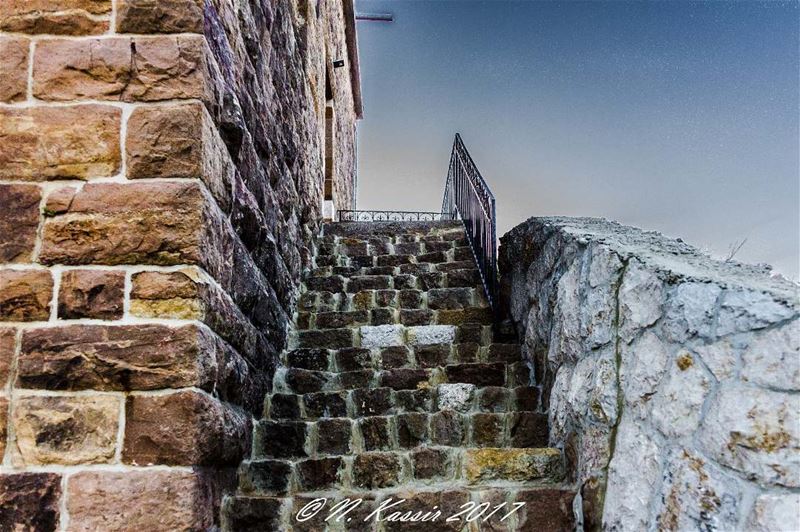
{"x": 674, "y": 116}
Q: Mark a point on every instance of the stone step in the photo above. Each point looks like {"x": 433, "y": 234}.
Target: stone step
{"x": 302, "y": 381}
{"x": 345, "y": 436}
{"x": 362, "y": 402}
{"x": 546, "y": 508}
{"x": 386, "y": 469}
{"x": 329, "y": 295}
{"x": 352, "y": 279}
{"x": 401, "y": 356}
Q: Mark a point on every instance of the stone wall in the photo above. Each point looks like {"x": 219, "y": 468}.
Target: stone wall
{"x": 160, "y": 189}
{"x": 672, "y": 379}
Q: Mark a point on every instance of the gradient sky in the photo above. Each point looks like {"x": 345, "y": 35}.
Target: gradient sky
{"x": 674, "y": 116}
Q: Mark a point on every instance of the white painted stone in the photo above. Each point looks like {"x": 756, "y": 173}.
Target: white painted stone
{"x": 382, "y": 335}
{"x": 696, "y": 495}
{"x": 720, "y": 357}
{"x": 455, "y": 396}
{"x": 746, "y": 310}
{"x": 677, "y": 406}
{"x": 773, "y": 358}
{"x": 432, "y": 334}
{"x": 640, "y": 299}
{"x": 643, "y": 364}
{"x": 692, "y": 310}
{"x": 633, "y": 475}
{"x": 755, "y": 431}
{"x": 774, "y": 512}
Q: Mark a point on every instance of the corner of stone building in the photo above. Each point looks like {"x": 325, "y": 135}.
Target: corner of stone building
{"x": 155, "y": 218}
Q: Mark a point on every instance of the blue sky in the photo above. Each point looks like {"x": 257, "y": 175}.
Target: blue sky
{"x": 676, "y": 116}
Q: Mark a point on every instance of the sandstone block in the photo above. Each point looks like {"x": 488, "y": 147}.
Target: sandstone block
{"x": 3, "y": 424}
{"x": 59, "y": 200}
{"x": 14, "y": 65}
{"x": 121, "y": 68}
{"x": 66, "y": 430}
{"x": 179, "y": 141}
{"x": 176, "y": 295}
{"x": 25, "y": 295}
{"x": 126, "y": 357}
{"x": 113, "y": 223}
{"x": 546, "y": 509}
{"x": 160, "y": 16}
{"x": 30, "y": 501}
{"x": 140, "y": 500}
{"x": 184, "y": 428}
{"x": 55, "y": 17}
{"x": 7, "y": 347}
{"x": 511, "y": 464}
{"x": 91, "y": 294}
{"x": 72, "y": 142}
{"x": 19, "y": 219}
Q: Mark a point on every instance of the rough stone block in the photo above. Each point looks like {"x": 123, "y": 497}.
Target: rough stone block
{"x": 265, "y": 477}
{"x": 326, "y": 338}
{"x": 126, "y": 357}
{"x": 382, "y": 335}
{"x": 306, "y": 381}
{"x": 405, "y": 378}
{"x": 19, "y": 218}
{"x": 3, "y": 424}
{"x": 386, "y": 298}
{"x": 494, "y": 399}
{"x": 14, "y": 65}
{"x": 369, "y": 282}
{"x": 477, "y": 374}
{"x": 487, "y": 429}
{"x": 410, "y": 299}
{"x": 416, "y": 317}
{"x": 25, "y": 295}
{"x": 7, "y": 347}
{"x": 160, "y": 16}
{"x": 412, "y": 429}
{"x": 334, "y": 436}
{"x": 30, "y": 501}
{"x": 376, "y": 433}
{"x": 91, "y": 294}
{"x": 140, "y": 500}
{"x": 325, "y": 404}
{"x": 447, "y": 428}
{"x": 280, "y": 439}
{"x": 432, "y": 355}
{"x": 413, "y": 400}
{"x": 372, "y": 402}
{"x": 138, "y": 223}
{"x": 184, "y": 428}
{"x": 376, "y": 470}
{"x": 308, "y": 358}
{"x": 179, "y": 141}
{"x": 319, "y": 474}
{"x": 121, "y": 68}
{"x": 66, "y": 430}
{"x": 546, "y": 509}
{"x": 457, "y": 396}
{"x": 55, "y": 17}
{"x": 71, "y": 142}
{"x": 449, "y": 298}
{"x": 334, "y": 320}
{"x": 519, "y": 465}
{"x": 383, "y": 316}
{"x": 429, "y": 463}
{"x": 432, "y": 334}
{"x": 255, "y": 513}
{"x": 284, "y": 406}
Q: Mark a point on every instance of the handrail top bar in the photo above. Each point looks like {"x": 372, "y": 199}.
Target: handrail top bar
{"x": 460, "y": 142}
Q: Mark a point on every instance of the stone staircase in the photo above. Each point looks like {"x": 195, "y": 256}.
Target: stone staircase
{"x": 396, "y": 386}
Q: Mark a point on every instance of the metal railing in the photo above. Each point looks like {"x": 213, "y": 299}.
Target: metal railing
{"x": 467, "y": 197}
{"x": 392, "y": 216}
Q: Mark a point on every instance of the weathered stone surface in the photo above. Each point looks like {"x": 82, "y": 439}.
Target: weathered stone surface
{"x": 126, "y": 357}
{"x": 697, "y": 495}
{"x": 143, "y": 500}
{"x": 14, "y": 65}
{"x": 455, "y": 396}
{"x": 184, "y": 428}
{"x": 160, "y": 16}
{"x": 59, "y": 200}
{"x": 113, "y": 223}
{"x": 511, "y": 464}
{"x": 3, "y": 424}
{"x": 754, "y": 431}
{"x": 334, "y": 436}
{"x": 121, "y": 68}
{"x": 319, "y": 474}
{"x": 773, "y": 358}
{"x": 7, "y": 347}
{"x": 677, "y": 407}
{"x": 382, "y": 335}
{"x": 71, "y": 17}
{"x": 285, "y": 439}
{"x": 179, "y": 141}
{"x": 19, "y": 219}
{"x": 71, "y": 142}
{"x": 546, "y": 509}
{"x": 774, "y": 512}
{"x": 25, "y": 295}
{"x": 30, "y": 501}
{"x": 376, "y": 470}
{"x": 91, "y": 294}
{"x": 432, "y": 334}
{"x": 66, "y": 430}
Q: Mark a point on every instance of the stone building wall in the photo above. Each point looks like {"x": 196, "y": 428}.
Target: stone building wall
{"x": 160, "y": 190}
{"x": 672, "y": 379}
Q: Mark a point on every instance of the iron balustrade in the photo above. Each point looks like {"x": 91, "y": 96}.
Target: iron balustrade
{"x": 467, "y": 197}
{"x": 391, "y": 216}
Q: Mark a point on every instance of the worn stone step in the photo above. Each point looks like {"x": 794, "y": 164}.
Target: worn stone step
{"x": 362, "y": 402}
{"x": 328, "y": 316}
{"x": 395, "y": 432}
{"x": 385, "y": 469}
{"x": 541, "y": 508}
